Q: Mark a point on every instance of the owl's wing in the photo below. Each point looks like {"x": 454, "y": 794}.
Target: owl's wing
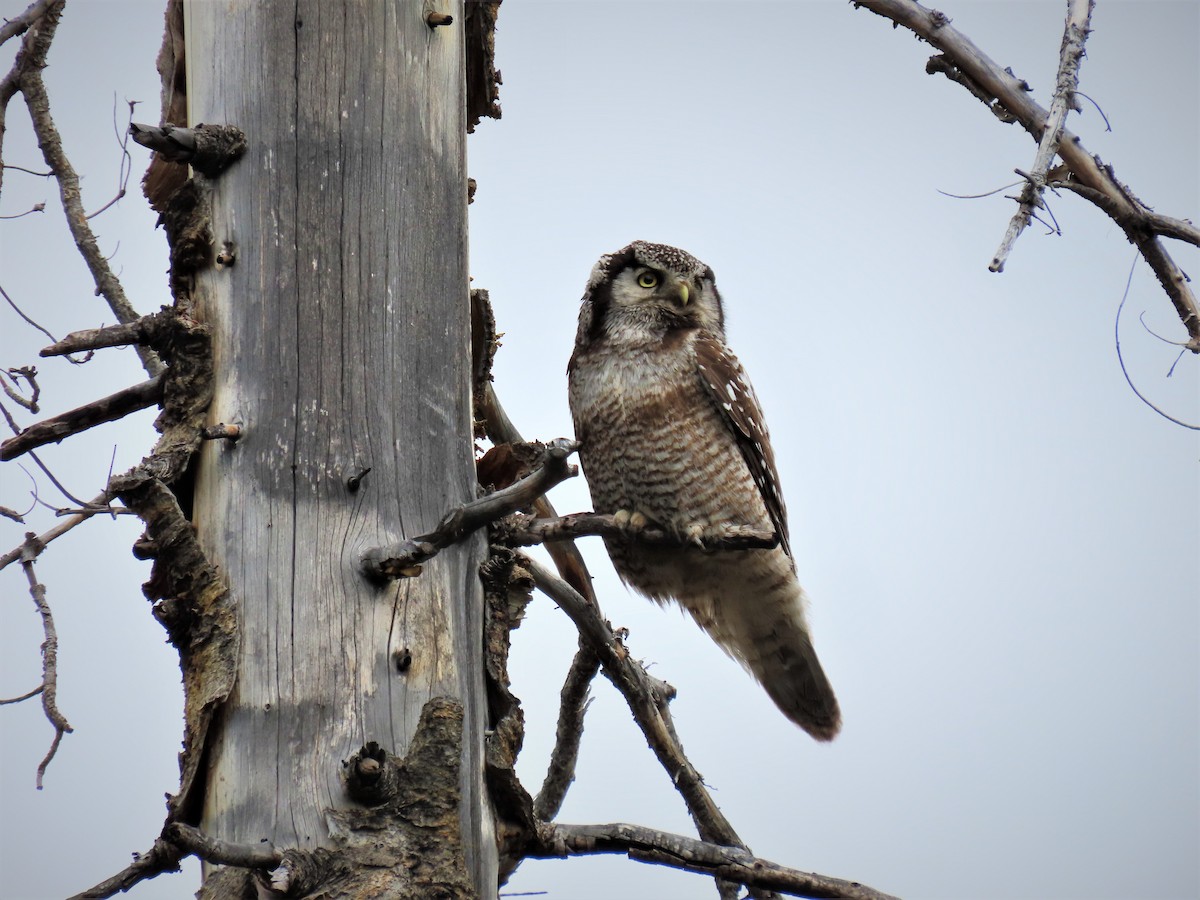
{"x": 727, "y": 385}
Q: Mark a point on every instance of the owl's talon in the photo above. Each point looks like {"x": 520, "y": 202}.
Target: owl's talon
{"x": 630, "y": 522}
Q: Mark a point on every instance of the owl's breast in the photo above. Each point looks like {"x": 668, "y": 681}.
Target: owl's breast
{"x": 653, "y": 442}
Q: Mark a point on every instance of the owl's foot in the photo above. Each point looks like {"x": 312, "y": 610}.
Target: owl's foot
{"x": 630, "y": 522}
{"x": 706, "y": 536}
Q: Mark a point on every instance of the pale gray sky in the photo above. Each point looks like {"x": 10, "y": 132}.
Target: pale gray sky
{"x": 1001, "y": 542}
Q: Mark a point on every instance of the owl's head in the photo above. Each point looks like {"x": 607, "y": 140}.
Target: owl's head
{"x": 648, "y": 290}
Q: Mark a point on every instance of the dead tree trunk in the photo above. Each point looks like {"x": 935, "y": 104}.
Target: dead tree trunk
{"x": 339, "y": 309}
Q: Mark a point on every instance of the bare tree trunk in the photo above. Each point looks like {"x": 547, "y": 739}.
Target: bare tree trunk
{"x": 339, "y": 310}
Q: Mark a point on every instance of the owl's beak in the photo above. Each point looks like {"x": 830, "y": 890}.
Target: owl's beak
{"x": 683, "y": 293}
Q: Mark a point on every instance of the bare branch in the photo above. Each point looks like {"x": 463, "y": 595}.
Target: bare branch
{"x": 646, "y": 701}
{"x": 1079, "y": 14}
{"x": 29, "y": 552}
{"x": 404, "y": 559}
{"x": 37, "y": 690}
{"x": 30, "y": 62}
{"x": 107, "y": 409}
{"x": 21, "y": 313}
{"x": 1005, "y": 94}
{"x": 29, "y": 375}
{"x": 500, "y": 429}
{"x": 139, "y": 331}
{"x": 523, "y": 531}
{"x": 163, "y": 857}
{"x": 58, "y": 530}
{"x": 573, "y": 704}
{"x": 679, "y": 852}
{"x": 20, "y": 24}
{"x": 222, "y": 853}
{"x": 209, "y": 149}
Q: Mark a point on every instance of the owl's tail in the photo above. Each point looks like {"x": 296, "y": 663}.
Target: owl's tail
{"x": 769, "y": 636}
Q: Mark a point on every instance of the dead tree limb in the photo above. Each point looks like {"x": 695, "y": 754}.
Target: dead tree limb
{"x": 26, "y": 77}
{"x": 573, "y": 704}
{"x": 59, "y": 530}
{"x": 209, "y": 149}
{"x": 648, "y": 704}
{"x": 107, "y": 409}
{"x": 222, "y": 853}
{"x": 523, "y": 531}
{"x": 404, "y": 559}
{"x": 691, "y": 855}
{"x": 143, "y": 330}
{"x": 163, "y": 856}
{"x": 1004, "y": 93}
{"x": 1079, "y": 14}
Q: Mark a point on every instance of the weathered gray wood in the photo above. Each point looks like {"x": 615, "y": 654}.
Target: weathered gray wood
{"x": 341, "y": 341}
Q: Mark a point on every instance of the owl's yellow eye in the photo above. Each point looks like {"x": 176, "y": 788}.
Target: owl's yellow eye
{"x": 648, "y": 279}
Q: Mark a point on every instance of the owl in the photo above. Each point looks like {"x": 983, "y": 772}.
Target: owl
{"x": 671, "y": 435}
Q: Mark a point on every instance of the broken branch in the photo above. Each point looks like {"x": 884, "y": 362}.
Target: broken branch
{"x": 222, "y": 853}
{"x": 1079, "y": 14}
{"x": 107, "y": 409}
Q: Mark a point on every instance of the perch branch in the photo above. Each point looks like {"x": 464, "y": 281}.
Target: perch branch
{"x": 107, "y": 409}
{"x": 404, "y": 559}
{"x": 1079, "y": 14}
{"x": 29, "y": 552}
{"x": 646, "y": 701}
{"x": 31, "y": 60}
{"x": 679, "y": 852}
{"x": 522, "y": 531}
{"x": 966, "y": 64}
{"x": 573, "y": 704}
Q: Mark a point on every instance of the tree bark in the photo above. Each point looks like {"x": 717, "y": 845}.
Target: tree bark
{"x": 340, "y": 325}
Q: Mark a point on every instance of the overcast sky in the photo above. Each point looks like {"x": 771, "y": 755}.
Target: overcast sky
{"x": 1000, "y": 540}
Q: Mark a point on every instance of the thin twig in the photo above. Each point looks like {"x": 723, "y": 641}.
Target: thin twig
{"x": 1001, "y": 91}
{"x": 26, "y": 696}
{"x": 1121, "y": 358}
{"x": 31, "y": 61}
{"x": 59, "y": 530}
{"x": 1079, "y": 14}
{"x": 29, "y": 552}
{"x": 29, "y": 375}
{"x": 680, "y": 852}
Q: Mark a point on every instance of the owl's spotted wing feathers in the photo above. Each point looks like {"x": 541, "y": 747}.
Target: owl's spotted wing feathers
{"x": 726, "y": 383}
